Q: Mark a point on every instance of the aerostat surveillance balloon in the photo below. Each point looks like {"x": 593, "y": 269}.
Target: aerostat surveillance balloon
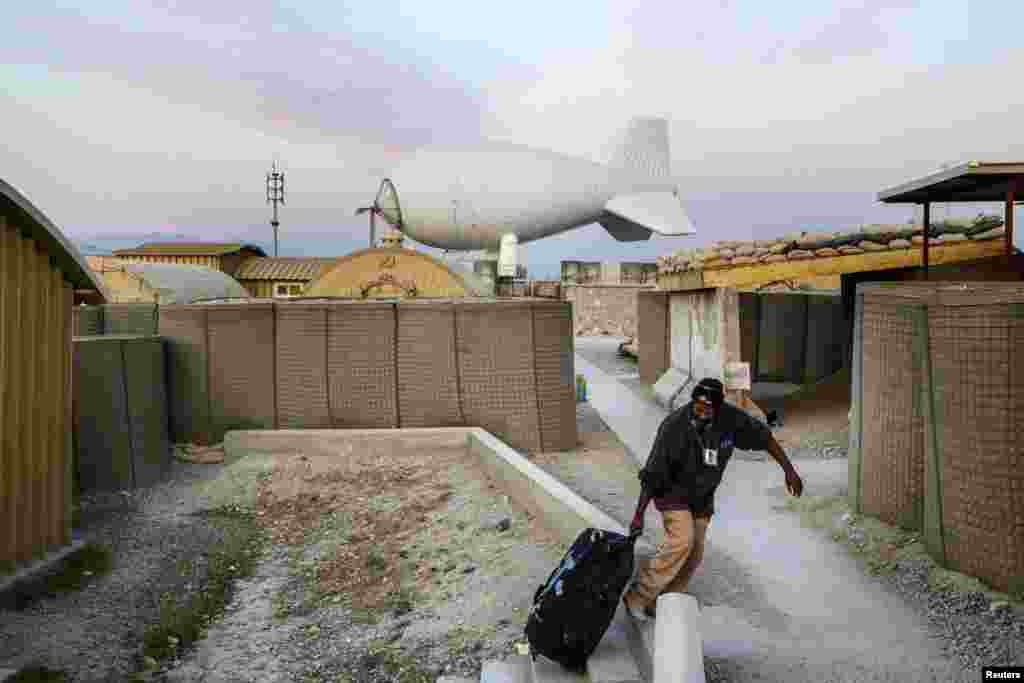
{"x": 468, "y": 197}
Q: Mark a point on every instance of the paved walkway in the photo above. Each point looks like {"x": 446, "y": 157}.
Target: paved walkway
{"x": 815, "y": 607}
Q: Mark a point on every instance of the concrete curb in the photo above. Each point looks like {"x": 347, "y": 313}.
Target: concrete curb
{"x": 618, "y": 658}
{"x": 40, "y": 566}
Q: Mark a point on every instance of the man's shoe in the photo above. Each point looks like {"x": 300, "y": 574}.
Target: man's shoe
{"x": 641, "y": 614}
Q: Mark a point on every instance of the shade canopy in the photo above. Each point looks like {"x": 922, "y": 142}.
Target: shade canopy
{"x": 973, "y": 181}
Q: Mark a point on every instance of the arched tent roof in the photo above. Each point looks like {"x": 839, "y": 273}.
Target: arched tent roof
{"x": 184, "y": 284}
{"x": 361, "y": 268}
{"x": 64, "y": 254}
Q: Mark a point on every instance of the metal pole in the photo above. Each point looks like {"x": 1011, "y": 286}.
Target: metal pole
{"x": 275, "y": 223}
{"x": 1008, "y": 218}
{"x": 927, "y": 229}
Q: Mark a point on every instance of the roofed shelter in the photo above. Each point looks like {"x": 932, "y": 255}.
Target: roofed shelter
{"x": 227, "y": 257}
{"x": 39, "y": 273}
{"x": 281, "y": 276}
{"x": 973, "y": 181}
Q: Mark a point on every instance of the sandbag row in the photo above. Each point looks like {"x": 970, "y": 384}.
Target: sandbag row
{"x": 810, "y": 245}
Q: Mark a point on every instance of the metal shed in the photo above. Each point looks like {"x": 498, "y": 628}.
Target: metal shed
{"x": 39, "y": 272}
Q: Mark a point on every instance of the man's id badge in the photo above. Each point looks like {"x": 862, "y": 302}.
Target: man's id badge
{"x": 711, "y": 457}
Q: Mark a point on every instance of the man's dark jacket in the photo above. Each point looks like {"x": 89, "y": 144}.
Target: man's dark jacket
{"x": 675, "y": 475}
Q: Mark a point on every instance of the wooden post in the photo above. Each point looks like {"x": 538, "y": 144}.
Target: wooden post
{"x": 1008, "y": 217}
{"x": 927, "y": 228}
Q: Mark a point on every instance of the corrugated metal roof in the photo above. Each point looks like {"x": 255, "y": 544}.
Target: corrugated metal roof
{"x": 284, "y": 268}
{"x": 183, "y": 284}
{"x": 62, "y": 251}
{"x": 188, "y": 249}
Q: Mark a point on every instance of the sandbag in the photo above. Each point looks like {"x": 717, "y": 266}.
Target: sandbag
{"x": 826, "y": 252}
{"x": 800, "y": 255}
{"x": 872, "y": 246}
{"x": 989, "y": 235}
{"x": 816, "y": 240}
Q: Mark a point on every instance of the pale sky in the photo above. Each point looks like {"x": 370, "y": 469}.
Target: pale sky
{"x": 125, "y": 119}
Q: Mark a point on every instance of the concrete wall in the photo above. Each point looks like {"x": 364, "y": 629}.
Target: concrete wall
{"x": 704, "y": 331}
{"x": 604, "y": 308}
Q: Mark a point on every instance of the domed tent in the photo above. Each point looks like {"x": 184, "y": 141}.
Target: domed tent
{"x": 392, "y": 272}
{"x": 168, "y": 283}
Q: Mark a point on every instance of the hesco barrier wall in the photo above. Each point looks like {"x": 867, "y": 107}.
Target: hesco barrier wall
{"x": 941, "y": 401}
{"x": 130, "y": 319}
{"x": 798, "y": 338}
{"x": 892, "y": 476}
{"x": 120, "y": 412}
{"x": 505, "y": 366}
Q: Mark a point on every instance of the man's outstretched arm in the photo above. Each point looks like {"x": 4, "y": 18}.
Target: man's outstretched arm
{"x": 793, "y": 481}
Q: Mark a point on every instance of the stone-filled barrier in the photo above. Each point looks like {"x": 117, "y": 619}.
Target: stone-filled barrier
{"x": 504, "y": 366}
{"x": 938, "y": 404}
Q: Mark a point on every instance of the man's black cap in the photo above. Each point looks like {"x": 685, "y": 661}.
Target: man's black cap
{"x": 711, "y": 389}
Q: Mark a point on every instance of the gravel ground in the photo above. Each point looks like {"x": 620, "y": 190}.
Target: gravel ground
{"x": 275, "y": 628}
{"x": 95, "y": 634}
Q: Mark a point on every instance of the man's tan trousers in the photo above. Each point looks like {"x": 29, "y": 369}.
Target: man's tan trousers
{"x": 671, "y": 568}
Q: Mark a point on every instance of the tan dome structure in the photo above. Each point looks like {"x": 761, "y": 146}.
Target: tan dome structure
{"x": 392, "y": 272}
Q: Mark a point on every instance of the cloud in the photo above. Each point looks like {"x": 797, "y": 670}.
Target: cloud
{"x": 258, "y": 63}
{"x": 859, "y": 29}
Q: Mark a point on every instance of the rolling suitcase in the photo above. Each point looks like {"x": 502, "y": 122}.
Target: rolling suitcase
{"x": 573, "y": 609}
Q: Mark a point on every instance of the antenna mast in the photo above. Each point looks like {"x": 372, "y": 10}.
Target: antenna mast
{"x": 275, "y": 195}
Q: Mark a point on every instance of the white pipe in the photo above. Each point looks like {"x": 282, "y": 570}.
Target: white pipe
{"x": 678, "y": 647}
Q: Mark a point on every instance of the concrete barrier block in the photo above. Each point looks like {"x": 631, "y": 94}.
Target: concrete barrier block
{"x": 669, "y": 385}
{"x": 514, "y": 670}
{"x": 678, "y": 646}
{"x": 683, "y": 396}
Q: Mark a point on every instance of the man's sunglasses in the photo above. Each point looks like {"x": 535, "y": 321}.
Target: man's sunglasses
{"x": 703, "y": 404}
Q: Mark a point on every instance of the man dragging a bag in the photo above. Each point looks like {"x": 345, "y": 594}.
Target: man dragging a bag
{"x": 685, "y": 467}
